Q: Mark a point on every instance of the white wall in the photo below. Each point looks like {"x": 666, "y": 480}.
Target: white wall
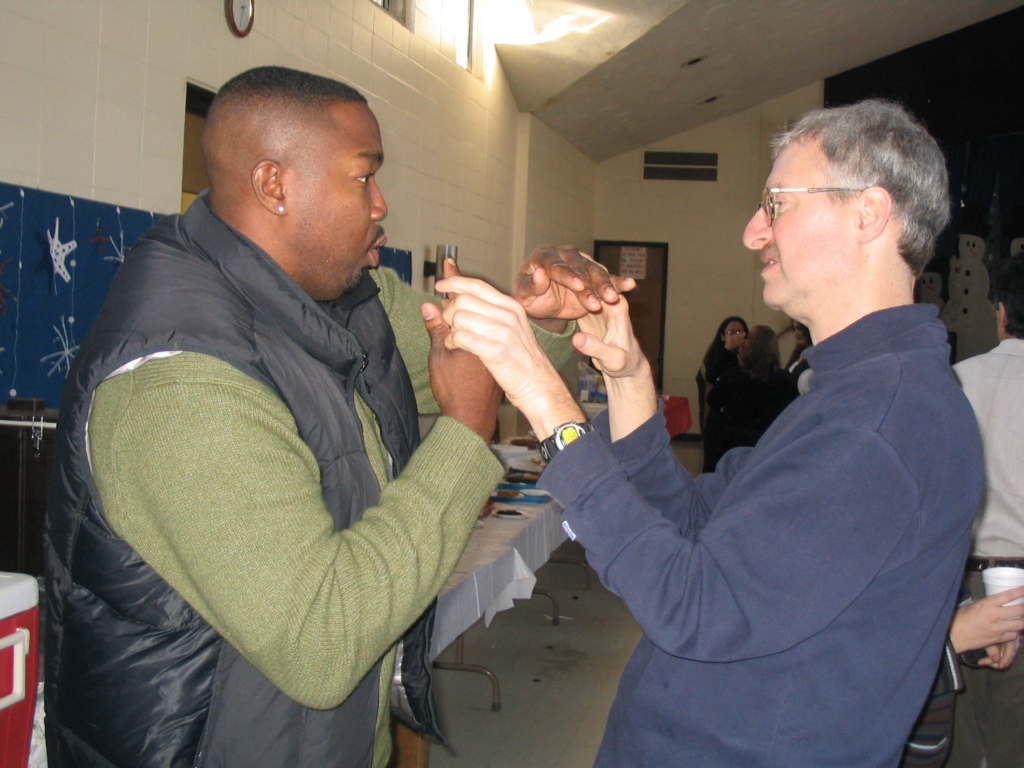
{"x": 93, "y": 101}
{"x": 710, "y": 273}
{"x": 561, "y": 181}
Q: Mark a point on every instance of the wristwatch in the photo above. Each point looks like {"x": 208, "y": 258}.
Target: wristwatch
{"x": 565, "y": 434}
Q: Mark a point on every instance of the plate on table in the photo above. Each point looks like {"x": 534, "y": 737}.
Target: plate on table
{"x": 522, "y": 478}
{"x": 527, "y": 462}
{"x": 507, "y": 513}
{"x": 509, "y": 493}
{"x": 507, "y": 453}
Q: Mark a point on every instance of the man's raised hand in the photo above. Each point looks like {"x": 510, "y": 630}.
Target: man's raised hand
{"x": 494, "y": 327}
{"x": 558, "y": 284}
{"x": 462, "y": 385}
{"x": 607, "y": 337}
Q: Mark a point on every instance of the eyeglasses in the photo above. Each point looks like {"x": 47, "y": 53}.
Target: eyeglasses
{"x": 734, "y": 332}
{"x": 771, "y": 205}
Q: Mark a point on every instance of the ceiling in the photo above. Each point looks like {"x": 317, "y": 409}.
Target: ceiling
{"x": 613, "y": 75}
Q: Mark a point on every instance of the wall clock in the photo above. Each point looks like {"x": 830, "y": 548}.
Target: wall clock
{"x": 240, "y": 15}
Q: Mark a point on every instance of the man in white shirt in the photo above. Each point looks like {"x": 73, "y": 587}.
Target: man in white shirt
{"x": 989, "y": 713}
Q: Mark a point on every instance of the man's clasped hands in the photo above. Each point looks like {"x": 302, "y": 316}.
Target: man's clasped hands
{"x": 555, "y": 286}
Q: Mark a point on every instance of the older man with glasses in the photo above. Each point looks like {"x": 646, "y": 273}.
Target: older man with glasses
{"x": 794, "y": 603}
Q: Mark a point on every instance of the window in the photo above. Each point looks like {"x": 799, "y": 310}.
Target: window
{"x": 462, "y": 24}
{"x": 395, "y": 7}
{"x": 448, "y": 24}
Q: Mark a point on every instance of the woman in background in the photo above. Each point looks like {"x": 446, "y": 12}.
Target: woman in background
{"x": 796, "y": 366}
{"x": 720, "y": 357}
{"x": 749, "y": 397}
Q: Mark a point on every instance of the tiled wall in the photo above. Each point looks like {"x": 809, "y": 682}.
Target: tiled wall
{"x": 711, "y": 275}
{"x": 92, "y": 99}
{"x": 561, "y": 179}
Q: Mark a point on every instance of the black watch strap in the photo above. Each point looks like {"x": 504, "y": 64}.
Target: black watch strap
{"x": 565, "y": 434}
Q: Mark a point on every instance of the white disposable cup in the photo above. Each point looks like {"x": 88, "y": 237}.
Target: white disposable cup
{"x": 998, "y": 580}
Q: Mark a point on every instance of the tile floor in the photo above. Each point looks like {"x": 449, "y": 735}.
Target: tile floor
{"x": 557, "y": 682}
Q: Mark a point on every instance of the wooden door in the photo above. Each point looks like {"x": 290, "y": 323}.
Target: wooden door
{"x": 647, "y": 263}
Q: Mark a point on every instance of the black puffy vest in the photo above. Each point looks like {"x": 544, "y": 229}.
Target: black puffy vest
{"x": 134, "y": 676}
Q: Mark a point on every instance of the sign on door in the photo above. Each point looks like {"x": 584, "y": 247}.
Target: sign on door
{"x": 633, "y": 262}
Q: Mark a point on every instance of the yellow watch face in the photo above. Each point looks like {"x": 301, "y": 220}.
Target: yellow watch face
{"x": 565, "y": 434}
{"x": 569, "y": 435}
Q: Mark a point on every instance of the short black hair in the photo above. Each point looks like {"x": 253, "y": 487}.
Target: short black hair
{"x": 269, "y": 96}
{"x": 1009, "y": 291}
{"x": 303, "y": 89}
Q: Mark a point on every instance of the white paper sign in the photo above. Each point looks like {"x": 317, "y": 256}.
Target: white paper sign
{"x": 633, "y": 262}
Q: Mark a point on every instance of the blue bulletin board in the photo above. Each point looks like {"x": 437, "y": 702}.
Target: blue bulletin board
{"x": 58, "y": 257}
{"x": 398, "y": 260}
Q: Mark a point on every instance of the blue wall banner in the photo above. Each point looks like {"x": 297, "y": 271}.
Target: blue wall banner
{"x": 58, "y": 257}
{"x": 398, "y": 260}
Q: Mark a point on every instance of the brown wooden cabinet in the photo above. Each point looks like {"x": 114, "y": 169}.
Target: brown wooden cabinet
{"x": 26, "y": 462}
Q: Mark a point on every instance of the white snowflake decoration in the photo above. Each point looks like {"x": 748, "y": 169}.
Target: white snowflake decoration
{"x": 119, "y": 251}
{"x": 60, "y": 361}
{"x": 59, "y": 251}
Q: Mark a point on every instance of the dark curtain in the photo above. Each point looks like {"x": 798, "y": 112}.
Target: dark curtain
{"x": 977, "y": 170}
{"x": 947, "y": 244}
{"x": 1011, "y": 192}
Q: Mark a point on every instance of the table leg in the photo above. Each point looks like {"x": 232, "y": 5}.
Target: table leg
{"x": 458, "y": 666}
{"x": 409, "y": 749}
{"x": 554, "y": 604}
{"x": 584, "y": 566}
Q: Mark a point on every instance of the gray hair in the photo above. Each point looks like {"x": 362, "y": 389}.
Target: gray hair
{"x": 878, "y": 143}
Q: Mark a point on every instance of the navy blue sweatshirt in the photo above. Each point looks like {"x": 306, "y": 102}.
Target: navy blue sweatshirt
{"x": 794, "y": 603}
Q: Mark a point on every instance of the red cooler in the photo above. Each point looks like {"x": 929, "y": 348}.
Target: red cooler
{"x": 19, "y": 657}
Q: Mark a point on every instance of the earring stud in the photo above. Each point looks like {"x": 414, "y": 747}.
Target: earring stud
{"x": 280, "y": 209}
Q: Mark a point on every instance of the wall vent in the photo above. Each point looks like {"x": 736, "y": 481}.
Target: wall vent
{"x": 681, "y": 166}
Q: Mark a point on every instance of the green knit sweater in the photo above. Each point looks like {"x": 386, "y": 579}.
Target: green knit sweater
{"x": 201, "y": 469}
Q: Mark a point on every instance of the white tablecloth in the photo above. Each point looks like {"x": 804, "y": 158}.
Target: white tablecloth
{"x": 496, "y": 567}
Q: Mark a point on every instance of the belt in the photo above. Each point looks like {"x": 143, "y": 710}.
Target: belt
{"x": 981, "y": 563}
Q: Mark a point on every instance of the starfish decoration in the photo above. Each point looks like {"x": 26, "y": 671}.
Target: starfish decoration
{"x": 4, "y": 289}
{"x": 59, "y": 252}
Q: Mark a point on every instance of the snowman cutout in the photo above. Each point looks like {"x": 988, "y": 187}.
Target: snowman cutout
{"x": 968, "y": 313}
{"x": 930, "y": 289}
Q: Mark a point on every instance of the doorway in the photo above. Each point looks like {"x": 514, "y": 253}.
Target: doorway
{"x": 647, "y": 263}
{"x": 193, "y": 174}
